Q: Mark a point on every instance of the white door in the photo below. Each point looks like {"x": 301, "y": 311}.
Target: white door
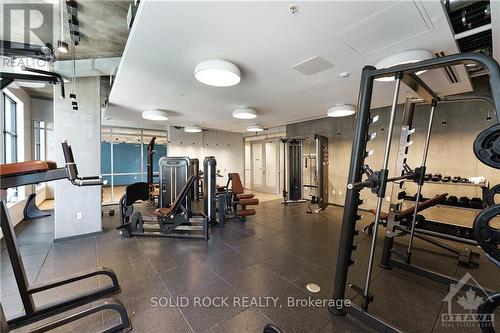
{"x": 271, "y": 169}
{"x": 258, "y": 181}
{"x": 248, "y": 166}
{"x": 264, "y": 157}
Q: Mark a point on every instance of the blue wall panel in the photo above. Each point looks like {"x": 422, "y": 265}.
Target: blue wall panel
{"x": 127, "y": 159}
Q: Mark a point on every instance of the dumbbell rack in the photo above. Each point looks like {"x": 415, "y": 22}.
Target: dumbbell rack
{"x": 484, "y": 186}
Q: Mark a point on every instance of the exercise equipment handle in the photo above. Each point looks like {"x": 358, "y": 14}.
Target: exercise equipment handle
{"x": 88, "y": 181}
{"x": 369, "y": 183}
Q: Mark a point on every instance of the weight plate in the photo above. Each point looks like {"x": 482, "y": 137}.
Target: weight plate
{"x": 487, "y": 146}
{"x": 136, "y": 222}
{"x": 490, "y": 196}
{"x": 486, "y": 235}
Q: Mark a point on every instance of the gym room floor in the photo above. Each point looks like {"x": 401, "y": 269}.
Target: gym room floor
{"x": 275, "y": 253}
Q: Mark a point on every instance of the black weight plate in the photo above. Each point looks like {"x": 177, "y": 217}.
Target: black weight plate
{"x": 487, "y": 146}
{"x": 490, "y": 196}
{"x": 137, "y": 223}
{"x": 487, "y": 236}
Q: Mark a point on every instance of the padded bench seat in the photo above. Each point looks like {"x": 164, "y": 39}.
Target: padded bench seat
{"x": 245, "y": 212}
{"x": 409, "y": 211}
{"x": 245, "y": 196}
{"x": 22, "y": 168}
{"x": 163, "y": 212}
{"x": 249, "y": 202}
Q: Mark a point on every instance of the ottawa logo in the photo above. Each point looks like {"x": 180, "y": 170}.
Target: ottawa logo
{"x": 463, "y": 301}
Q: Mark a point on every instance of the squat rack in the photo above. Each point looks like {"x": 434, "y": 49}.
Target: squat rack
{"x": 402, "y": 73}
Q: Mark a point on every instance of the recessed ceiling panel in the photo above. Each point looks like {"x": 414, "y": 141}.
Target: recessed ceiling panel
{"x": 396, "y": 24}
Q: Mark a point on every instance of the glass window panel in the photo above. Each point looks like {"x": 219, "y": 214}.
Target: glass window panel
{"x": 49, "y": 143}
{"x": 9, "y": 129}
{"x": 126, "y": 158}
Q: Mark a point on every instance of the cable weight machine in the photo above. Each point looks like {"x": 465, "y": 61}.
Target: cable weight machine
{"x": 306, "y": 167}
{"x": 379, "y": 180}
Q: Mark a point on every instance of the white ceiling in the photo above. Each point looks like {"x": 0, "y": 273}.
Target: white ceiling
{"x": 264, "y": 39}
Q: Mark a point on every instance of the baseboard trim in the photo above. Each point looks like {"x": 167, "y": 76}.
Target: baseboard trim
{"x": 90, "y": 234}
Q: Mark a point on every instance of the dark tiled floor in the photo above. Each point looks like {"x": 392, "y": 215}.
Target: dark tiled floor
{"x": 276, "y": 253}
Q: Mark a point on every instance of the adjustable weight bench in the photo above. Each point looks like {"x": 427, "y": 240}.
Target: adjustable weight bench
{"x": 424, "y": 228}
{"x": 408, "y": 212}
{"x": 35, "y": 172}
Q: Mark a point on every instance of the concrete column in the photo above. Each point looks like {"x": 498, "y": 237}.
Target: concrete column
{"x": 78, "y": 209}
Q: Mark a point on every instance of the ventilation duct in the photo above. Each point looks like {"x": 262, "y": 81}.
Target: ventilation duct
{"x": 471, "y": 22}
{"x": 471, "y": 16}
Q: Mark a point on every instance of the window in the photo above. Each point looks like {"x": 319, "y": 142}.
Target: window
{"x": 124, "y": 158}
{"x": 10, "y": 139}
{"x": 39, "y": 140}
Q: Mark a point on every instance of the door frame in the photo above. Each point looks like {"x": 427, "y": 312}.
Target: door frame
{"x": 263, "y": 188}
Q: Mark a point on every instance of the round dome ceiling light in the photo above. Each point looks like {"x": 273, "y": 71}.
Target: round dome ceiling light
{"x": 192, "y": 129}
{"x": 217, "y": 73}
{"x": 254, "y": 128}
{"x": 401, "y": 58}
{"x": 244, "y": 113}
{"x": 156, "y": 115}
{"x": 341, "y": 110}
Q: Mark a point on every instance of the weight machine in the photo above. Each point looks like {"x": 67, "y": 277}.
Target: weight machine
{"x": 487, "y": 150}
{"x": 196, "y": 172}
{"x": 210, "y": 189}
{"x": 306, "y": 162}
{"x": 174, "y": 217}
{"x": 35, "y": 172}
{"x": 293, "y": 191}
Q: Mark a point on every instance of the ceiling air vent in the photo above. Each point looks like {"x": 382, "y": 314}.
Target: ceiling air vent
{"x": 449, "y": 72}
{"x": 312, "y": 66}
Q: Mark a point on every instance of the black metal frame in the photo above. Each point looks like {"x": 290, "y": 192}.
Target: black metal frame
{"x": 33, "y": 313}
{"x": 363, "y": 121}
{"x": 43, "y": 76}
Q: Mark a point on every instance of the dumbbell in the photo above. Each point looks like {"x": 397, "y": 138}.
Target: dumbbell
{"x": 451, "y": 201}
{"x": 428, "y": 177}
{"x": 464, "y": 202}
{"x": 465, "y": 180}
{"x": 476, "y": 203}
{"x": 110, "y": 212}
{"x": 436, "y": 177}
{"x": 446, "y": 179}
{"x": 456, "y": 179}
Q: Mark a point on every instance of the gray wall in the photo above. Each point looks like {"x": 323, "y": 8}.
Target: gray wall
{"x": 450, "y": 150}
{"x": 82, "y": 130}
{"x": 227, "y": 147}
